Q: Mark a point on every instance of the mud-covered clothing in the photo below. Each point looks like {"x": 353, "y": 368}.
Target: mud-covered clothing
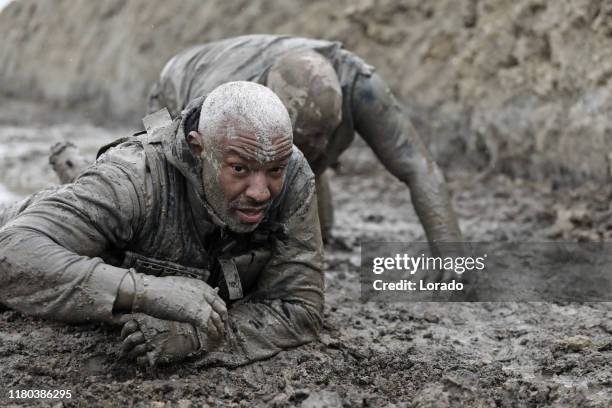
{"x": 137, "y": 199}
{"x": 368, "y": 107}
{"x": 10, "y": 211}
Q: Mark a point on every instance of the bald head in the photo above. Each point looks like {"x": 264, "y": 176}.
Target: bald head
{"x": 308, "y": 86}
{"x": 244, "y": 142}
{"x": 245, "y": 105}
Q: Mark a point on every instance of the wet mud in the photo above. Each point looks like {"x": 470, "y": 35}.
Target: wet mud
{"x": 369, "y": 354}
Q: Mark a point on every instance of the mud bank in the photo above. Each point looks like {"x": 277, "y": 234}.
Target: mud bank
{"x": 521, "y": 87}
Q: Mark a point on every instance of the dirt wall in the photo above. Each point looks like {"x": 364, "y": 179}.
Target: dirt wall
{"x": 518, "y": 86}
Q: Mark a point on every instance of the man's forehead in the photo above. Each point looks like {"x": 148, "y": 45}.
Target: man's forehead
{"x": 243, "y": 131}
{"x": 252, "y": 147}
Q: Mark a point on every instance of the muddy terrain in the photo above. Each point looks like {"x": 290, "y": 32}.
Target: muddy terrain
{"x": 369, "y": 354}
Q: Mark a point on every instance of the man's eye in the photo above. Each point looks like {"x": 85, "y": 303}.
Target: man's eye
{"x": 238, "y": 168}
{"x": 276, "y": 171}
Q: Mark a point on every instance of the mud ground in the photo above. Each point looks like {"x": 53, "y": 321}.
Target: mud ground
{"x": 369, "y": 354}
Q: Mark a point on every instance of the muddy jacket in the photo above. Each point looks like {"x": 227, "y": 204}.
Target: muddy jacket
{"x": 64, "y": 252}
{"x": 368, "y": 107}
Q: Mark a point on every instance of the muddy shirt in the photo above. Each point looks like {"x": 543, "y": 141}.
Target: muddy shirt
{"x": 368, "y": 107}
{"x": 59, "y": 251}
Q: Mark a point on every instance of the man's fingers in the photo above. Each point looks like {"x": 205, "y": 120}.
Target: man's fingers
{"x": 132, "y": 340}
{"x": 218, "y": 306}
{"x": 212, "y": 330}
{"x": 216, "y": 329}
{"x": 217, "y": 323}
{"x": 210, "y": 295}
{"x": 139, "y": 350}
{"x": 129, "y": 328}
{"x": 215, "y": 301}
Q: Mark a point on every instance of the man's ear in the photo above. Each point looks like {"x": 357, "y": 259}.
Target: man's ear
{"x": 196, "y": 142}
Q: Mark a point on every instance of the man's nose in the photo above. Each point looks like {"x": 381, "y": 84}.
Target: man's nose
{"x": 258, "y": 190}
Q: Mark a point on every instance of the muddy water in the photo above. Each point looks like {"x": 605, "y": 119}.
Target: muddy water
{"x": 24, "y": 152}
{"x": 369, "y": 354}
{"x": 6, "y": 196}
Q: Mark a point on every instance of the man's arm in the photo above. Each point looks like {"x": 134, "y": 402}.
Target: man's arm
{"x": 285, "y": 310}
{"x": 48, "y": 254}
{"x": 387, "y": 130}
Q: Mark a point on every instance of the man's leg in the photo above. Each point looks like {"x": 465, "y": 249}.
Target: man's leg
{"x": 325, "y": 205}
{"x": 67, "y": 161}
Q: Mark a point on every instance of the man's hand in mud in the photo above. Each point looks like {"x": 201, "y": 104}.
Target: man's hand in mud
{"x": 151, "y": 341}
{"x": 181, "y": 299}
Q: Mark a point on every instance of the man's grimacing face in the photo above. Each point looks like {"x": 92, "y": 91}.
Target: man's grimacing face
{"x": 243, "y": 173}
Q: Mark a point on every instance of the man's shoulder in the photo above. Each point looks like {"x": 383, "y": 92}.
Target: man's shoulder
{"x": 132, "y": 156}
{"x": 129, "y": 151}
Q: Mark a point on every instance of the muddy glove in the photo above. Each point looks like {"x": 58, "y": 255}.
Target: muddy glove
{"x": 182, "y": 300}
{"x": 154, "y": 341}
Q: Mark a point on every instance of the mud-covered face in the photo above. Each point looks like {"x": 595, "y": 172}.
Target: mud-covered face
{"x": 309, "y": 88}
{"x": 243, "y": 143}
{"x": 243, "y": 174}
{"x": 314, "y": 127}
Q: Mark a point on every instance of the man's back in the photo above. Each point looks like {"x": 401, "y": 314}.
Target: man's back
{"x": 197, "y": 70}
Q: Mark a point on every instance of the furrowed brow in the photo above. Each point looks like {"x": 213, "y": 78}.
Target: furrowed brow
{"x": 285, "y": 157}
{"x": 244, "y": 154}
{"x": 240, "y": 153}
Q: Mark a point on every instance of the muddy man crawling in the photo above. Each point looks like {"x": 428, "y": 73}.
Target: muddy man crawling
{"x": 330, "y": 94}
{"x": 200, "y": 237}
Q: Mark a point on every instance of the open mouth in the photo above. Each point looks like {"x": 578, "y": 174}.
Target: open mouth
{"x": 250, "y": 215}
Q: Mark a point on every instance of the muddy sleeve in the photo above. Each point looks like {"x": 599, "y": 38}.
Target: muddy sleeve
{"x": 379, "y": 119}
{"x": 49, "y": 264}
{"x": 285, "y": 311}
{"x": 8, "y": 212}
